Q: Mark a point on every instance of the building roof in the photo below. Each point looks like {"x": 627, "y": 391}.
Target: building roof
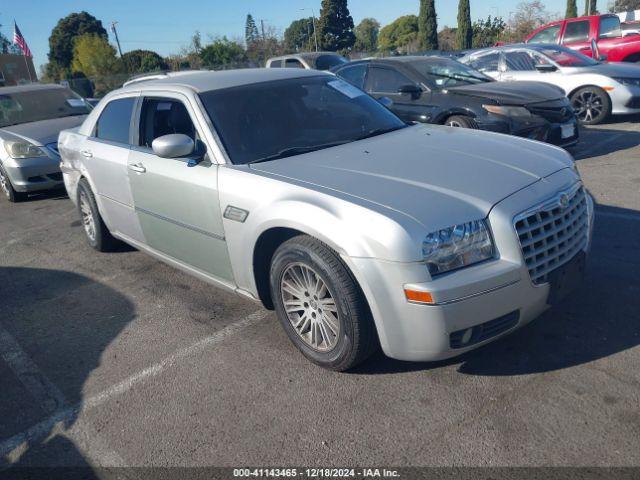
{"x": 202, "y": 81}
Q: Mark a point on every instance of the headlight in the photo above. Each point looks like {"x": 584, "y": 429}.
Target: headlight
{"x": 507, "y": 111}
{"x": 629, "y": 82}
{"x": 457, "y": 247}
{"x": 17, "y": 149}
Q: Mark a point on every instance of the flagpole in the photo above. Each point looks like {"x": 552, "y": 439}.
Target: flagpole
{"x": 28, "y": 69}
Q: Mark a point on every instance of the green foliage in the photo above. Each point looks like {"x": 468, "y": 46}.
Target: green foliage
{"x": 464, "y": 34}
{"x": 63, "y": 35}
{"x": 141, "y": 61}
{"x": 591, "y": 7}
{"x": 572, "y": 9}
{"x": 428, "y": 25}
{"x": 223, "y": 53}
{"x": 487, "y": 33}
{"x": 367, "y": 33}
{"x": 626, "y": 5}
{"x": 447, "y": 38}
{"x": 335, "y": 26}
{"x": 96, "y": 59}
{"x": 250, "y": 30}
{"x": 399, "y": 34}
{"x": 299, "y": 35}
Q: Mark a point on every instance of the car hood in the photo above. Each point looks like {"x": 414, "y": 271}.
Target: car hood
{"x": 511, "y": 93}
{"x": 43, "y": 132}
{"x": 439, "y": 176}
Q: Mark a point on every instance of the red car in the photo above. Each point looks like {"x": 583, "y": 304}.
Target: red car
{"x": 612, "y": 40}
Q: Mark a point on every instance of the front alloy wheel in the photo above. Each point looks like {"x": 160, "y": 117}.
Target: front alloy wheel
{"x": 8, "y": 190}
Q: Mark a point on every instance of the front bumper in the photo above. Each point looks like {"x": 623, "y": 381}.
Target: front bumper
{"x": 533, "y": 128}
{"x": 34, "y": 174}
{"x": 625, "y": 100}
{"x": 498, "y": 294}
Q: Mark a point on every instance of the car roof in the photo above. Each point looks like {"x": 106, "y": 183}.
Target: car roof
{"x": 29, "y": 87}
{"x": 203, "y": 81}
{"x": 305, "y": 55}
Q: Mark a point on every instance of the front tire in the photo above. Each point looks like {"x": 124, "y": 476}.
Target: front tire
{"x": 592, "y": 105}
{"x": 95, "y": 230}
{"x": 461, "y": 121}
{"x": 7, "y": 188}
{"x": 320, "y": 305}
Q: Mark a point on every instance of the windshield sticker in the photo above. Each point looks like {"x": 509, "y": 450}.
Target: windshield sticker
{"x": 76, "y": 102}
{"x": 346, "y": 88}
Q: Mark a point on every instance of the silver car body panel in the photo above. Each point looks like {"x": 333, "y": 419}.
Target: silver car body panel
{"x": 571, "y": 79}
{"x": 372, "y": 201}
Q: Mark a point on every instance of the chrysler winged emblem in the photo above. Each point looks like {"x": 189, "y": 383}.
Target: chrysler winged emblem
{"x": 564, "y": 201}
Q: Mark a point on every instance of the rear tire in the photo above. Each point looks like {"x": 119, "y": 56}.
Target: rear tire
{"x": 7, "y": 188}
{"x": 95, "y": 230}
{"x": 592, "y": 105}
{"x": 461, "y": 121}
{"x": 326, "y": 315}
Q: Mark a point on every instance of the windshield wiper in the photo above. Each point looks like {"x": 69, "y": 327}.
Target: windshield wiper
{"x": 293, "y": 151}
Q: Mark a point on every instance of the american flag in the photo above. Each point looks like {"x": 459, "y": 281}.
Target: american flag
{"x": 19, "y": 40}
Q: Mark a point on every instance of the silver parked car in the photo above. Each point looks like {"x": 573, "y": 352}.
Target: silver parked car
{"x": 31, "y": 117}
{"x": 298, "y": 190}
{"x": 596, "y": 89}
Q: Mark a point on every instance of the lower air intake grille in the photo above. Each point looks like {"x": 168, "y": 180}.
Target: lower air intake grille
{"x": 480, "y": 333}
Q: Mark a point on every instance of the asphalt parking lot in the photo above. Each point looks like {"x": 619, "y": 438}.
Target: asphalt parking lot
{"x": 118, "y": 360}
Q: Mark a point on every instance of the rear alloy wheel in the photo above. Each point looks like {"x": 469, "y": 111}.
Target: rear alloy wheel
{"x": 461, "y": 121}
{"x": 592, "y": 105}
{"x": 95, "y": 229}
{"x": 8, "y": 190}
{"x": 320, "y": 305}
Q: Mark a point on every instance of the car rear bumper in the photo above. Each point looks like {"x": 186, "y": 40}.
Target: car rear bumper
{"x": 34, "y": 174}
{"x": 472, "y": 307}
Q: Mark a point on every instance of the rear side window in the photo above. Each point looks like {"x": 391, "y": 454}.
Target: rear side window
{"x": 610, "y": 27}
{"x": 354, "y": 75}
{"x": 293, "y": 63}
{"x": 385, "y": 80}
{"x": 577, "y": 32}
{"x": 115, "y": 120}
{"x": 520, "y": 62}
{"x": 327, "y": 62}
{"x": 486, "y": 63}
{"x": 548, "y": 35}
{"x": 275, "y": 64}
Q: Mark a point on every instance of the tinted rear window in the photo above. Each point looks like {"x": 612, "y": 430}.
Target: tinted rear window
{"x": 114, "y": 122}
{"x": 327, "y": 62}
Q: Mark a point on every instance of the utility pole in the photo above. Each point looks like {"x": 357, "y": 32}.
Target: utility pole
{"x": 115, "y": 33}
{"x": 315, "y": 30}
{"x": 262, "y": 27}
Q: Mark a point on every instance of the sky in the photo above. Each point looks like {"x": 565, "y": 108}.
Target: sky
{"x": 166, "y": 25}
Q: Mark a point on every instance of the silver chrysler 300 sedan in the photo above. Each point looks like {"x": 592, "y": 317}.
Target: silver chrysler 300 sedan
{"x": 296, "y": 189}
{"x": 31, "y": 117}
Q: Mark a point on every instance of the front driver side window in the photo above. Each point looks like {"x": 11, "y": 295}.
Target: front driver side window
{"x": 164, "y": 116}
{"x": 385, "y": 80}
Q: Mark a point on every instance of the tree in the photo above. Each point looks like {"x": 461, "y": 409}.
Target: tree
{"x": 487, "y": 33}
{"x": 367, "y": 33}
{"x": 572, "y": 9}
{"x": 402, "y": 33}
{"x": 447, "y": 38}
{"x": 61, "y": 41}
{"x": 591, "y": 7}
{"x": 626, "y": 5}
{"x": 96, "y": 59}
{"x": 250, "y": 30}
{"x": 223, "y": 53}
{"x": 428, "y": 25}
{"x": 335, "y": 26}
{"x": 141, "y": 61}
{"x": 299, "y": 35}
{"x": 528, "y": 16}
{"x": 464, "y": 34}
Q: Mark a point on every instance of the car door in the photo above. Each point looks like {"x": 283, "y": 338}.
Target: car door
{"x": 520, "y": 65}
{"x": 386, "y": 81}
{"x": 577, "y": 36}
{"x": 106, "y": 155}
{"x": 175, "y": 199}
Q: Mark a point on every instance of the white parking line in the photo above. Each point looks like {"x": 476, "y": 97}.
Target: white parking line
{"x": 13, "y": 447}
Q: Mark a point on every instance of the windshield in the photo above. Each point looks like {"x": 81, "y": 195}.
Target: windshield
{"x": 565, "y": 57}
{"x": 271, "y": 120}
{"x": 35, "y": 105}
{"x": 445, "y": 73}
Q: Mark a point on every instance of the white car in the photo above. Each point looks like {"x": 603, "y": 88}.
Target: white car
{"x": 596, "y": 89}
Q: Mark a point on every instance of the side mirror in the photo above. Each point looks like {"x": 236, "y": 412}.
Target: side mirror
{"x": 175, "y": 145}
{"x": 546, "y": 68}
{"x": 386, "y": 102}
{"x": 602, "y": 58}
{"x": 414, "y": 90}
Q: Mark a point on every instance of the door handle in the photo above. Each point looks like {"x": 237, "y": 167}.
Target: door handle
{"x": 138, "y": 168}
{"x": 86, "y": 153}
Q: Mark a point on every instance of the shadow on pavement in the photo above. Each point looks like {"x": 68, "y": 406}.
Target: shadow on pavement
{"x": 596, "y": 142}
{"x": 601, "y": 319}
{"x": 63, "y": 322}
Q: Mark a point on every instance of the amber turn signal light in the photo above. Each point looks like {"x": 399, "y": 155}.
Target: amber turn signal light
{"x": 418, "y": 297}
